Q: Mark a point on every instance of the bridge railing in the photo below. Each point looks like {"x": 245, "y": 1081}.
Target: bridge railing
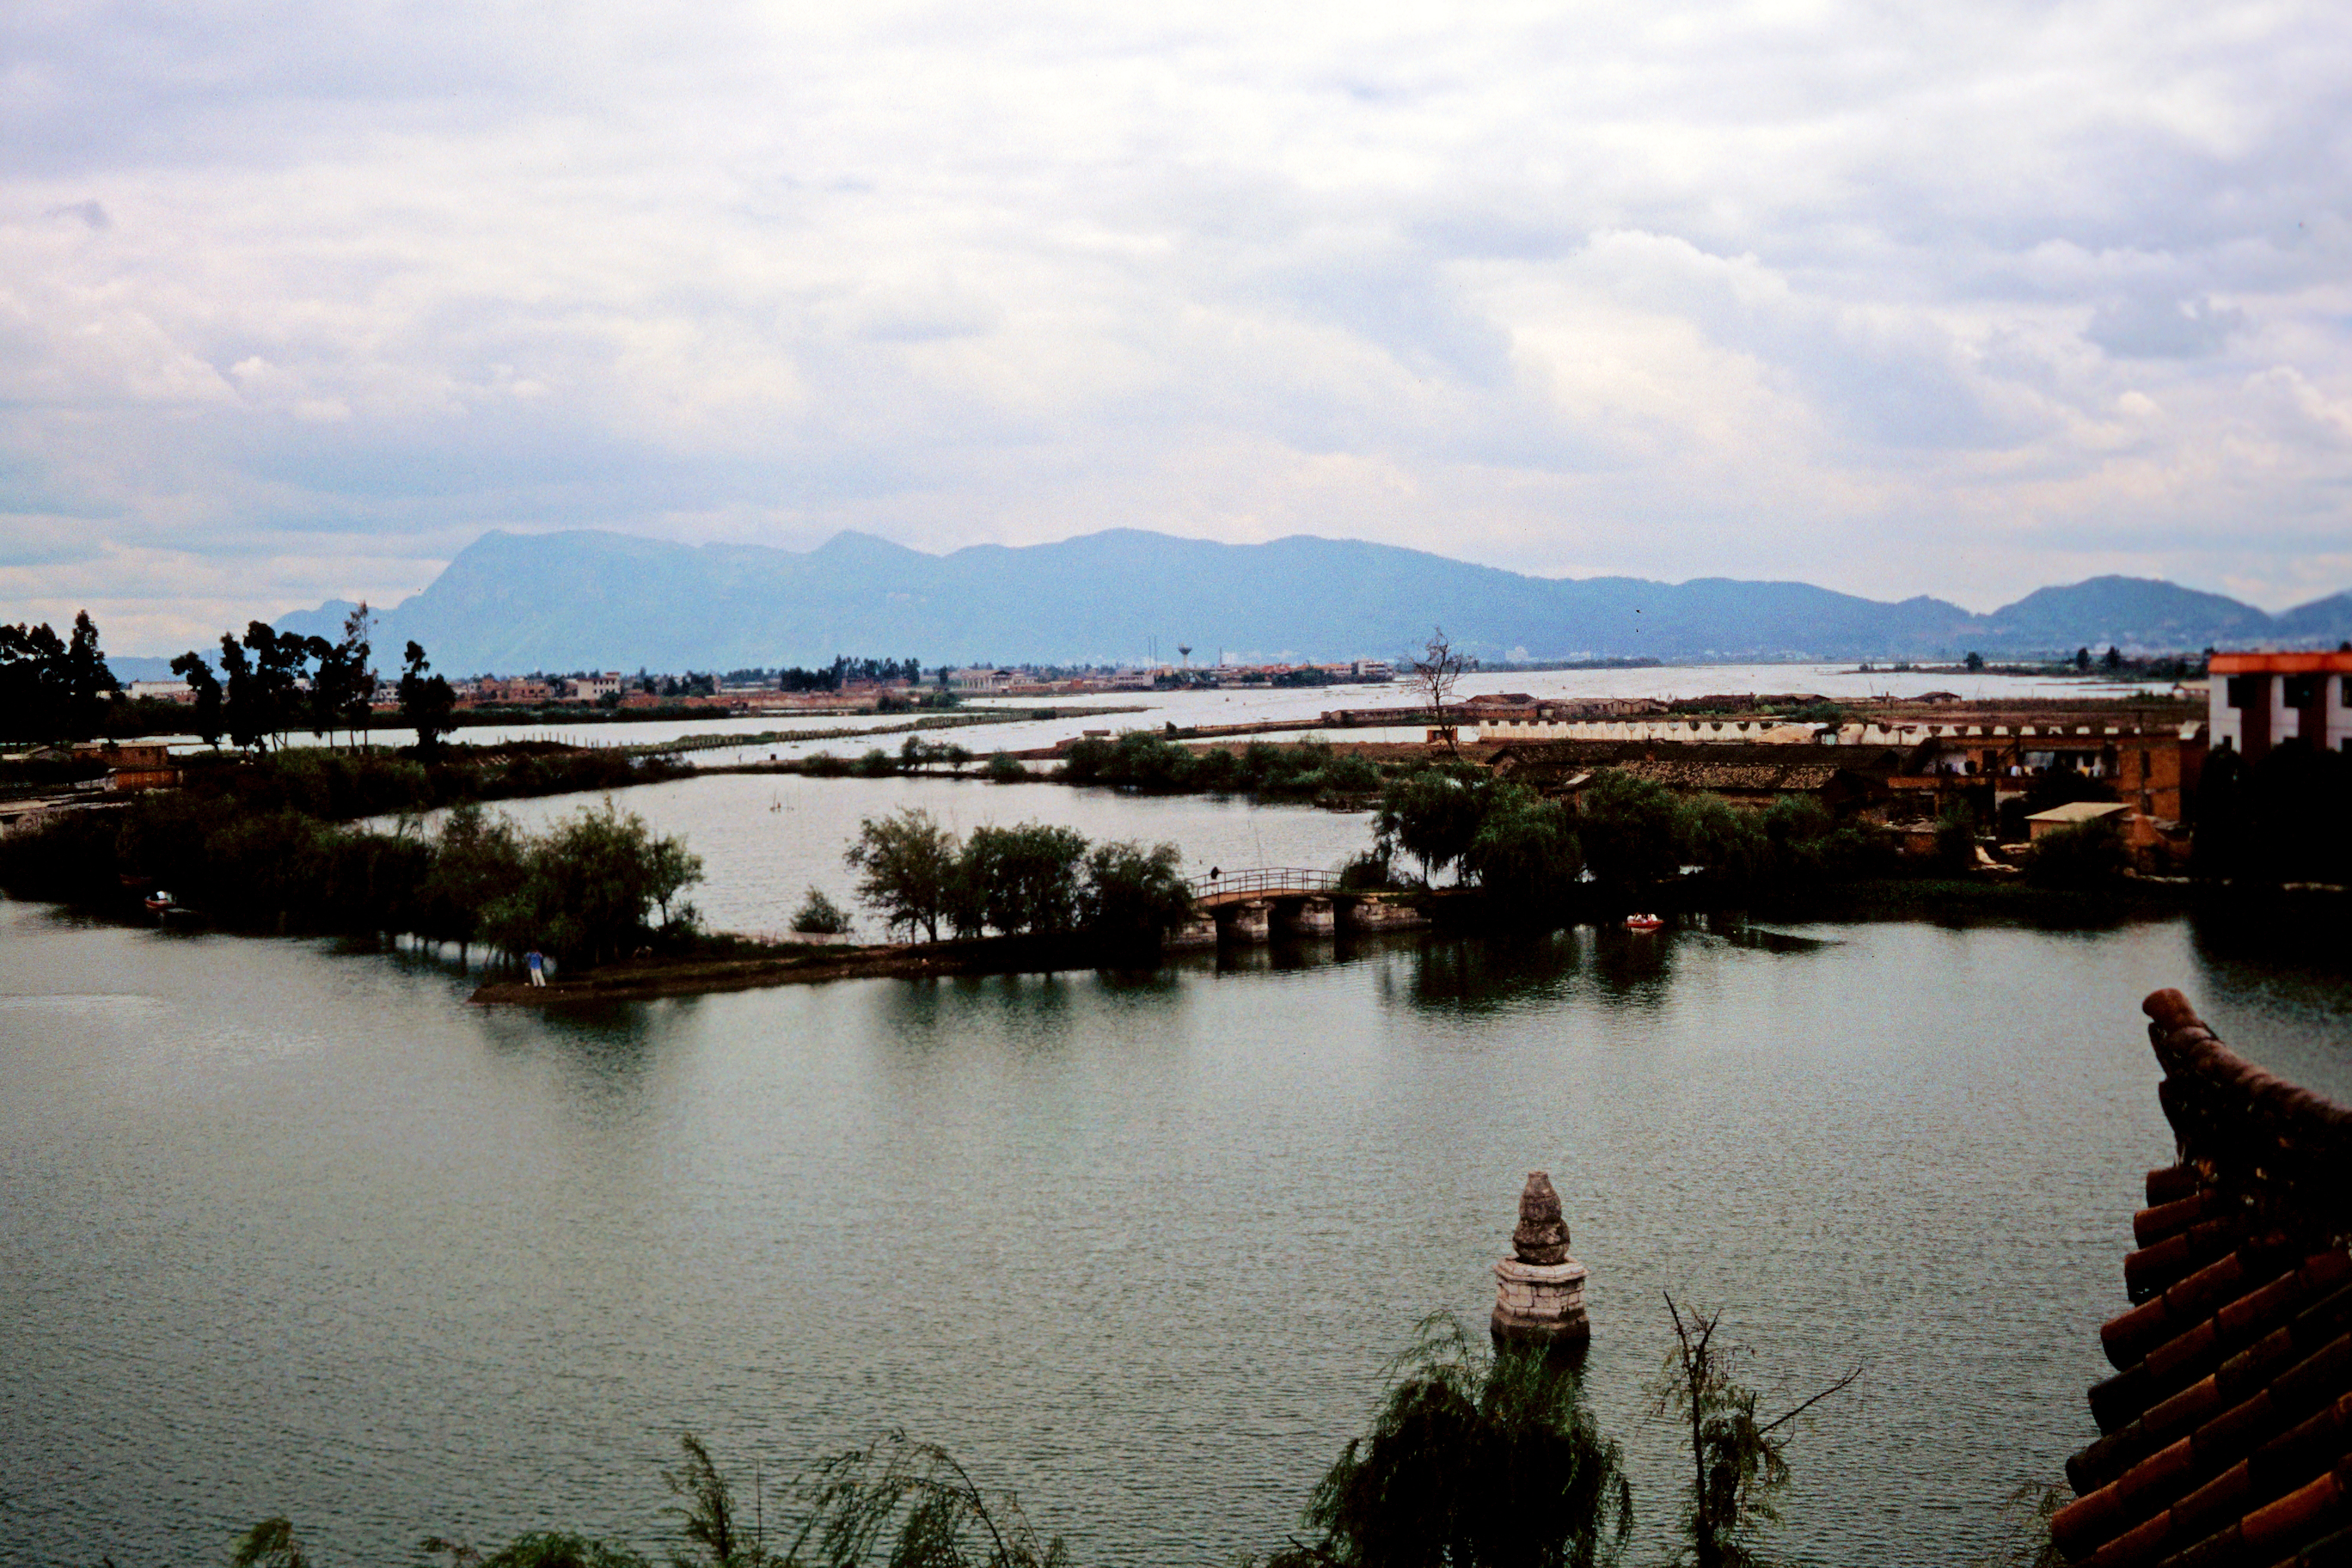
{"x": 1275, "y": 879}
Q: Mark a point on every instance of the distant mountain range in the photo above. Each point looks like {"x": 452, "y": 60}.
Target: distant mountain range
{"x": 590, "y": 600}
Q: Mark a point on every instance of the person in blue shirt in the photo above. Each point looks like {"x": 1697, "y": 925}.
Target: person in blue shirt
{"x": 536, "y": 965}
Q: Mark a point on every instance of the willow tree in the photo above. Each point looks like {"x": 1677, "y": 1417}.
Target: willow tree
{"x": 1474, "y": 1460}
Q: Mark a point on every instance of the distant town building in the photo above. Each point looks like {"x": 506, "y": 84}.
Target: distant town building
{"x": 978, "y": 680}
{"x": 594, "y": 687}
{"x": 160, "y": 691}
{"x": 520, "y": 691}
{"x": 2258, "y": 699}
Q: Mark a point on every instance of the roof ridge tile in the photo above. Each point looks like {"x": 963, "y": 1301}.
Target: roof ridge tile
{"x": 2227, "y": 1429}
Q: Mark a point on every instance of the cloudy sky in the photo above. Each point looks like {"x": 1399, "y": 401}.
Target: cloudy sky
{"x": 298, "y": 298}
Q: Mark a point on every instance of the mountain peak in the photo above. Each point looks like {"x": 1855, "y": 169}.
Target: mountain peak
{"x": 590, "y": 598}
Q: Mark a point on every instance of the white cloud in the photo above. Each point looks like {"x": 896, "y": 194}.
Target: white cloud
{"x": 1957, "y": 300}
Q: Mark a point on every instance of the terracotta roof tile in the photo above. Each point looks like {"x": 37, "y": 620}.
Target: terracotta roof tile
{"x": 2227, "y": 1427}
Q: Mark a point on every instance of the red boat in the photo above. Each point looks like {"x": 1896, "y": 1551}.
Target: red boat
{"x": 159, "y": 902}
{"x": 1644, "y": 923}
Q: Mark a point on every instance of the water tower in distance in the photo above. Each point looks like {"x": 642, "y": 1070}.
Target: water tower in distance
{"x": 1186, "y": 651}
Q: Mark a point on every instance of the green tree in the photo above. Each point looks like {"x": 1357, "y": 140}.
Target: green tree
{"x": 2083, "y": 658}
{"x": 83, "y": 680}
{"x": 270, "y": 1545}
{"x": 1133, "y": 894}
{"x": 2114, "y": 659}
{"x": 203, "y": 714}
{"x": 1024, "y": 879}
{"x": 54, "y": 688}
{"x": 2286, "y": 819}
{"x": 1956, "y": 838}
{"x": 477, "y": 860}
{"x": 590, "y": 887}
{"x": 910, "y": 1505}
{"x": 1710, "y": 831}
{"x": 244, "y": 713}
{"x": 1629, "y": 829}
{"x": 538, "y": 1548}
{"x": 1740, "y": 1462}
{"x": 1474, "y": 1461}
{"x": 1434, "y": 814}
{"x": 1809, "y": 843}
{"x": 1003, "y": 767}
{"x": 425, "y": 699}
{"x": 274, "y": 690}
{"x": 1526, "y": 852}
{"x": 820, "y": 916}
{"x": 341, "y": 689}
{"x": 907, "y": 868}
{"x": 706, "y": 1515}
{"x": 1976, "y": 663}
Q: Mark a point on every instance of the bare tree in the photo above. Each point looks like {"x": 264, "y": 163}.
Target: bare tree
{"x": 1434, "y": 672}
{"x": 1739, "y": 1460}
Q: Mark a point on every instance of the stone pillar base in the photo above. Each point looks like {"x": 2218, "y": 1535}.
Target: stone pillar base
{"x": 1200, "y": 932}
{"x": 1312, "y": 918}
{"x": 1540, "y": 1303}
{"x": 1252, "y": 921}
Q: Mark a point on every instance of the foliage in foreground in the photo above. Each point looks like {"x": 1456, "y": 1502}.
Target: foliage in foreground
{"x": 1739, "y": 1463}
{"x": 1474, "y": 1460}
{"x": 896, "y": 1502}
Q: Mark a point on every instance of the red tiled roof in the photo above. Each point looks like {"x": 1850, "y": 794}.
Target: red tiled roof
{"x": 2227, "y": 1429}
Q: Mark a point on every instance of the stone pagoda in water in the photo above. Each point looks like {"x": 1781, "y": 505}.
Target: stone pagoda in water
{"x": 1539, "y": 1290}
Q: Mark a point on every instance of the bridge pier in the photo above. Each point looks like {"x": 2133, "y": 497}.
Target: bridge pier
{"x": 1379, "y": 914}
{"x": 1310, "y": 917}
{"x": 1201, "y": 931}
{"x": 1252, "y": 921}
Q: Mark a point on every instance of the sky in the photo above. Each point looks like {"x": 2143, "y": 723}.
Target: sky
{"x": 296, "y": 299}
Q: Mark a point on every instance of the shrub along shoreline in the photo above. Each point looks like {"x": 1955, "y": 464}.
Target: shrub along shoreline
{"x": 264, "y": 845}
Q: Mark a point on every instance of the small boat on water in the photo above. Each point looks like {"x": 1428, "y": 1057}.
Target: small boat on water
{"x": 158, "y": 903}
{"x": 1644, "y": 923}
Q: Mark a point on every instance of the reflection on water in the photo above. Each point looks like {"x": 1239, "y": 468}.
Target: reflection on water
{"x": 294, "y": 1229}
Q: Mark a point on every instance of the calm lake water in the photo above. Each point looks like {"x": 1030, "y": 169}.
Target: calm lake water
{"x": 290, "y": 1229}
